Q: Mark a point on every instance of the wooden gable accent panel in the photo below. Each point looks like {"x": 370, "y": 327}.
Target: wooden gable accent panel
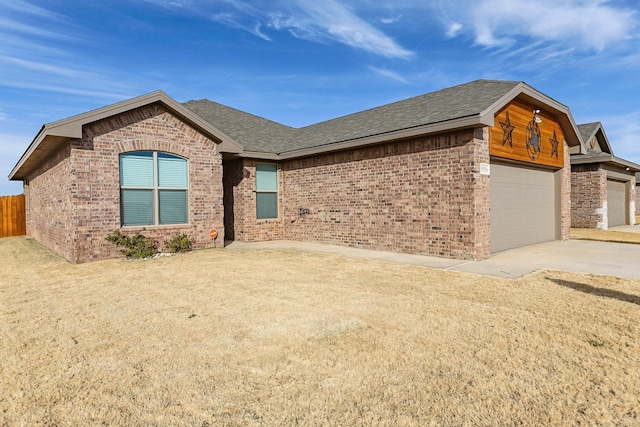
{"x": 520, "y": 116}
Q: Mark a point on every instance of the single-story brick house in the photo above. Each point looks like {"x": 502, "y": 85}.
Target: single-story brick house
{"x": 603, "y": 186}
{"x": 461, "y": 173}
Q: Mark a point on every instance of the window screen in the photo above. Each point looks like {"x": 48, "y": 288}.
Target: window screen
{"x": 153, "y": 188}
{"x": 266, "y": 191}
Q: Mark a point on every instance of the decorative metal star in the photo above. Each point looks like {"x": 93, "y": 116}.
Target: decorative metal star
{"x": 507, "y": 136}
{"x": 554, "y": 144}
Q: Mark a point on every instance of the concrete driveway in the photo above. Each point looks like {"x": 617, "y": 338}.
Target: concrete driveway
{"x": 580, "y": 256}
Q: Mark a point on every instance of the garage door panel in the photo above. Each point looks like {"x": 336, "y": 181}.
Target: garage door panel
{"x": 616, "y": 203}
{"x": 523, "y": 210}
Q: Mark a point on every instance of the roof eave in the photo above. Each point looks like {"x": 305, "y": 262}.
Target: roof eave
{"x": 432, "y": 128}
{"x": 605, "y": 139}
{"x": 28, "y": 152}
{"x": 259, "y": 155}
{"x": 607, "y": 158}
{"x": 71, "y": 127}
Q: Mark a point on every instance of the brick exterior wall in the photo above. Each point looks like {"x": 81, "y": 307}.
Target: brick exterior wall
{"x": 588, "y": 196}
{"x": 49, "y": 203}
{"x": 240, "y": 190}
{"x": 423, "y": 196}
{"x": 75, "y": 204}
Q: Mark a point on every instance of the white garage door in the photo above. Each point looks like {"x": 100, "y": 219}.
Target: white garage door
{"x": 616, "y": 201}
{"x": 523, "y": 206}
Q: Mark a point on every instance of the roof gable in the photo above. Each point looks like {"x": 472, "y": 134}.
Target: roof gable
{"x": 51, "y": 135}
{"x": 598, "y": 149}
{"x": 594, "y": 138}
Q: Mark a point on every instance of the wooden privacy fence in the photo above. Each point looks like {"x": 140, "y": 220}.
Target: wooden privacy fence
{"x": 13, "y": 218}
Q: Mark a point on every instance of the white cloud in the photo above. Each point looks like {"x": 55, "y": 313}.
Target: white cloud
{"x": 313, "y": 20}
{"x": 391, "y": 20}
{"x": 61, "y": 78}
{"x": 454, "y": 29}
{"x": 257, "y": 31}
{"x": 101, "y": 93}
{"x": 390, "y": 74}
{"x": 12, "y": 26}
{"x": 225, "y": 18}
{"x": 590, "y": 24}
{"x": 37, "y": 54}
{"x": 44, "y": 67}
{"x": 342, "y": 24}
{"x": 30, "y": 9}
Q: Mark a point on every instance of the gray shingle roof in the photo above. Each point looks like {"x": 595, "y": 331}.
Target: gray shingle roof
{"x": 448, "y": 104}
{"x": 258, "y": 134}
{"x": 587, "y": 130}
{"x": 253, "y": 132}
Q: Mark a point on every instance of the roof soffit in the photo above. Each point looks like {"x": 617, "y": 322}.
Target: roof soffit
{"x": 603, "y": 140}
{"x": 605, "y": 158}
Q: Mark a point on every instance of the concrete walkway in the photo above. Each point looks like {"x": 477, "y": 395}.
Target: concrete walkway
{"x": 580, "y": 256}
{"x": 627, "y": 228}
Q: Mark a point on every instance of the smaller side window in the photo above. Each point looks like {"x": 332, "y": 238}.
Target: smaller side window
{"x": 266, "y": 191}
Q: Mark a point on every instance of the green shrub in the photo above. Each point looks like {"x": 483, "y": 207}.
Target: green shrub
{"x": 180, "y": 243}
{"x": 136, "y": 246}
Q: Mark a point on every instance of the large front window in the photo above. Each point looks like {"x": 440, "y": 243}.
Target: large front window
{"x": 266, "y": 191}
{"x": 153, "y": 188}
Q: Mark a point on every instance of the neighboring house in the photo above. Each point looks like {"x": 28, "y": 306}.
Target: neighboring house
{"x": 637, "y": 195}
{"x": 460, "y": 173}
{"x": 603, "y": 187}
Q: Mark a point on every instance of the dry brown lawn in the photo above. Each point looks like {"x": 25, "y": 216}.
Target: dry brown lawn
{"x": 281, "y": 337}
{"x": 604, "y": 236}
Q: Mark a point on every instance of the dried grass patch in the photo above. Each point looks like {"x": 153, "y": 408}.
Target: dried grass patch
{"x": 280, "y": 337}
{"x": 604, "y": 236}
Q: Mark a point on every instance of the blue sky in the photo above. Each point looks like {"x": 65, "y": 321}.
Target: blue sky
{"x": 303, "y": 61}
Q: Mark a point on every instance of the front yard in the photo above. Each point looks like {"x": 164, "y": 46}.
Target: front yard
{"x": 280, "y": 337}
